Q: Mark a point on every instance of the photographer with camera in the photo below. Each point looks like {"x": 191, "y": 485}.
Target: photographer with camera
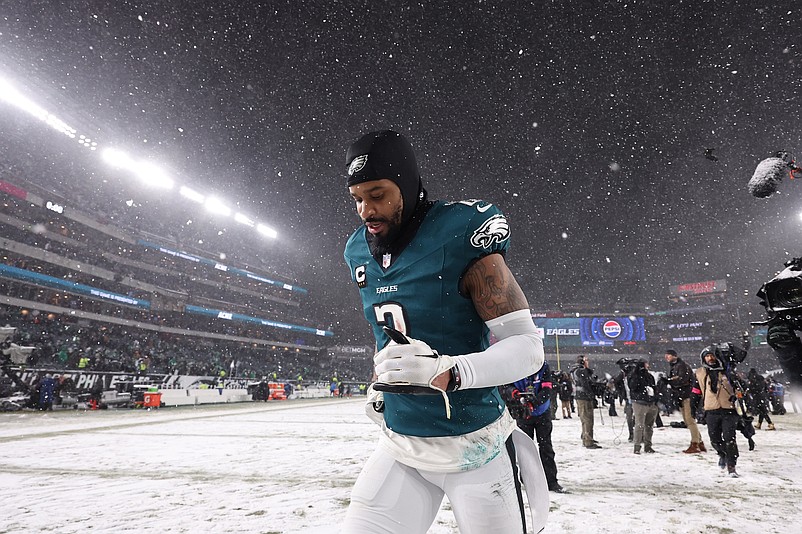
{"x": 585, "y": 394}
{"x": 529, "y": 402}
{"x": 720, "y": 392}
{"x": 680, "y": 377}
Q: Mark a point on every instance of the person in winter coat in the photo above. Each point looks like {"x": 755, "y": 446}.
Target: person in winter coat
{"x": 47, "y": 388}
{"x": 680, "y": 377}
{"x": 529, "y": 403}
{"x": 566, "y": 394}
{"x": 585, "y": 398}
{"x": 554, "y": 395}
{"x": 644, "y": 405}
{"x": 776, "y": 396}
{"x": 758, "y": 390}
{"x": 718, "y": 400}
{"x": 622, "y": 386}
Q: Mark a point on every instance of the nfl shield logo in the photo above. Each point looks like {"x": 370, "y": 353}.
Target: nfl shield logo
{"x": 386, "y": 260}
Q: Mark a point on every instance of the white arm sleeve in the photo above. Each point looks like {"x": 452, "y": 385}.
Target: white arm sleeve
{"x": 518, "y": 353}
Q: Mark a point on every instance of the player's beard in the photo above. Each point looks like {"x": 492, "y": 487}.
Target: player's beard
{"x": 384, "y": 243}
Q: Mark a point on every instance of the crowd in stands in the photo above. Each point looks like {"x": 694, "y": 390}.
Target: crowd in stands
{"x": 64, "y": 344}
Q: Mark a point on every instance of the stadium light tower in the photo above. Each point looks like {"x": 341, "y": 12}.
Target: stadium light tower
{"x": 149, "y": 173}
{"x": 266, "y": 230}
{"x": 153, "y": 175}
{"x": 9, "y": 94}
{"x": 117, "y": 158}
{"x": 244, "y": 219}
{"x": 214, "y": 205}
{"x": 191, "y": 194}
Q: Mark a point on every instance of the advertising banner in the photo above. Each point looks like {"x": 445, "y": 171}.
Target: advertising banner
{"x": 611, "y": 331}
{"x": 591, "y": 331}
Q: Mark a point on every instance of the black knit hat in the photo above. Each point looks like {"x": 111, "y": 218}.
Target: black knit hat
{"x": 386, "y": 155}
{"x": 671, "y": 352}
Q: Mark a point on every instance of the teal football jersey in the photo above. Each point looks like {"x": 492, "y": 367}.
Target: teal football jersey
{"x": 418, "y": 294}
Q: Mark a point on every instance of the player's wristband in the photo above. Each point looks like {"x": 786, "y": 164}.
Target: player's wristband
{"x": 455, "y": 381}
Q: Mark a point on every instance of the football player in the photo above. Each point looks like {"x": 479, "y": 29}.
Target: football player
{"x": 434, "y": 285}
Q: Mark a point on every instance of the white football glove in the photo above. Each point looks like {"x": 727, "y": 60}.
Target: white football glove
{"x": 410, "y": 367}
{"x": 374, "y": 406}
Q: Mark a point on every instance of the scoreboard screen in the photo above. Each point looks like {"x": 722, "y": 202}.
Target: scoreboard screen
{"x": 591, "y": 331}
{"x": 611, "y": 331}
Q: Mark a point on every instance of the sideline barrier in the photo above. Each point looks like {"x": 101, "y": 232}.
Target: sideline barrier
{"x": 120, "y": 389}
{"x": 194, "y": 397}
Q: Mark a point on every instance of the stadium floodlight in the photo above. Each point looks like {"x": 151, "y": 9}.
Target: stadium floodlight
{"x": 192, "y": 194}
{"x": 117, "y": 158}
{"x": 266, "y": 230}
{"x": 149, "y": 173}
{"x": 153, "y": 175}
{"x": 9, "y": 93}
{"x": 214, "y": 205}
{"x": 244, "y": 219}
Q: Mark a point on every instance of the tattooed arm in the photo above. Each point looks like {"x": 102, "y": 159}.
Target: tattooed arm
{"x": 492, "y": 288}
{"x": 501, "y": 303}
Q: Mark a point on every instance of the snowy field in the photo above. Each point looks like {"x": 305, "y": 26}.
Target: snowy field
{"x": 287, "y": 467}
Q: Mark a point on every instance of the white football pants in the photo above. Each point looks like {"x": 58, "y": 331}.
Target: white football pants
{"x": 390, "y": 497}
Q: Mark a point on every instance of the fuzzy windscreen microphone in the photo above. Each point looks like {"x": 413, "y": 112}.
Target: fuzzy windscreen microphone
{"x": 767, "y": 177}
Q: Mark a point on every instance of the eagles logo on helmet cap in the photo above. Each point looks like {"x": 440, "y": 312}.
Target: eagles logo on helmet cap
{"x": 391, "y": 158}
{"x": 357, "y": 164}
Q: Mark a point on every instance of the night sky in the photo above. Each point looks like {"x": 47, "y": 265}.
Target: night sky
{"x": 586, "y": 122}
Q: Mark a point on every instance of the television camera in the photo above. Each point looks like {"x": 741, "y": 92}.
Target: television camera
{"x": 629, "y": 364}
{"x": 727, "y": 353}
{"x": 520, "y": 403}
{"x": 782, "y": 298}
{"x": 782, "y": 295}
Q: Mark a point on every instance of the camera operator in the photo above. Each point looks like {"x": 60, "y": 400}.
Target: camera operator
{"x": 584, "y": 381}
{"x": 680, "y": 377}
{"x": 529, "y": 402}
{"x": 719, "y": 394}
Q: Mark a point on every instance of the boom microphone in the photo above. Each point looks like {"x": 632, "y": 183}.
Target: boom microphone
{"x": 767, "y": 177}
{"x": 769, "y": 174}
